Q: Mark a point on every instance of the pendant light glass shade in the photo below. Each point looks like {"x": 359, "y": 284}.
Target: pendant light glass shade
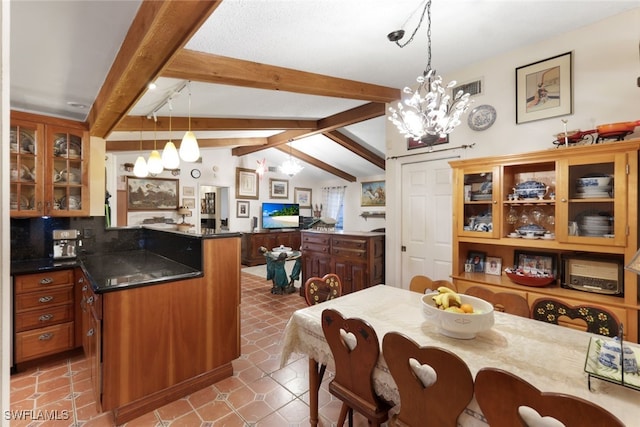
{"x": 154, "y": 164}
{"x": 170, "y": 158}
{"x": 140, "y": 168}
{"x": 189, "y": 150}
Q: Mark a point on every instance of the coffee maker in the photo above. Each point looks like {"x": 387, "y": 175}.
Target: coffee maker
{"x": 65, "y": 243}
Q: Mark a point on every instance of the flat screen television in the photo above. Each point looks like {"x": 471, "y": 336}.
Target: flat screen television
{"x": 280, "y": 215}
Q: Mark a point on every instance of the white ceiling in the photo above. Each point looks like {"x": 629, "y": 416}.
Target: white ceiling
{"x": 61, "y": 52}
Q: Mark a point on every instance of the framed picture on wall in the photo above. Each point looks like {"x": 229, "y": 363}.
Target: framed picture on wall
{"x": 152, "y": 194}
{"x": 189, "y": 203}
{"x": 247, "y": 184}
{"x": 302, "y": 196}
{"x": 278, "y": 189}
{"x": 242, "y": 209}
{"x": 373, "y": 194}
{"x": 544, "y": 89}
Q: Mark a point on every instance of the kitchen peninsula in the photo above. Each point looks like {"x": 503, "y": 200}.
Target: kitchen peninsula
{"x": 157, "y": 322}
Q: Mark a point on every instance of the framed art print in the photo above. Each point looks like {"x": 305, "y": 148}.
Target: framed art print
{"x": 544, "y": 89}
{"x": 278, "y": 189}
{"x": 242, "y": 209}
{"x": 151, "y": 194}
{"x": 302, "y": 196}
{"x": 247, "y": 185}
{"x": 373, "y": 194}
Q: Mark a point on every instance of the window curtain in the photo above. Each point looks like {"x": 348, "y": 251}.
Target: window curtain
{"x": 332, "y": 200}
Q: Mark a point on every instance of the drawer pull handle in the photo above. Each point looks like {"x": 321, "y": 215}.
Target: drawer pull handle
{"x": 81, "y": 280}
{"x": 45, "y": 337}
{"x": 46, "y": 281}
{"x": 84, "y": 288}
{"x": 46, "y": 317}
{"x": 46, "y": 299}
{"x": 90, "y": 300}
{"x": 90, "y": 332}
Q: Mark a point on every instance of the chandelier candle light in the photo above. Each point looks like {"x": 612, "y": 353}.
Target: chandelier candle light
{"x": 290, "y": 166}
{"x": 429, "y": 109}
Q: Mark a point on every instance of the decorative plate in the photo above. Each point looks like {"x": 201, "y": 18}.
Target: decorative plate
{"x": 482, "y": 117}
{"x": 594, "y": 367}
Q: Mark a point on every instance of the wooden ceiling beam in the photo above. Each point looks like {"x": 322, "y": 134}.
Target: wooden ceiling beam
{"x": 159, "y": 30}
{"x": 317, "y": 163}
{"x": 132, "y": 123}
{"x": 356, "y": 148}
{"x": 209, "y": 68}
{"x": 355, "y": 115}
{"x": 133, "y": 145}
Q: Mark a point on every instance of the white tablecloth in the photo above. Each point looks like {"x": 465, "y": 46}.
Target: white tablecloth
{"x": 550, "y": 357}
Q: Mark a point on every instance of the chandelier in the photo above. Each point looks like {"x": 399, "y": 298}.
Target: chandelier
{"x": 290, "y": 166}
{"x": 429, "y": 109}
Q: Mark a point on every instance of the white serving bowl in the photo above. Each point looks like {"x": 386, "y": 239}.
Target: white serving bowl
{"x": 593, "y": 181}
{"x": 459, "y": 325}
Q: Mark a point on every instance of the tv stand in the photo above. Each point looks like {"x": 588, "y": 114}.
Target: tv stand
{"x": 252, "y": 241}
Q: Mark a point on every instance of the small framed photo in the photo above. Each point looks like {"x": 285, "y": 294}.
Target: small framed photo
{"x": 544, "y": 89}
{"x": 302, "y": 196}
{"x": 189, "y": 203}
{"x": 278, "y": 188}
{"x": 493, "y": 265}
{"x": 188, "y": 191}
{"x": 536, "y": 263}
{"x": 477, "y": 259}
{"x": 242, "y": 209}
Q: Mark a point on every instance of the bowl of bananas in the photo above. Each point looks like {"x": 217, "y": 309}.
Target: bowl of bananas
{"x": 457, "y": 315}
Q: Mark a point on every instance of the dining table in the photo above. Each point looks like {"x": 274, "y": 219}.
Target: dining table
{"x": 550, "y": 357}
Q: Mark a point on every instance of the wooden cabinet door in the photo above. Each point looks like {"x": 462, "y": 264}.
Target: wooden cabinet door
{"x": 477, "y": 192}
{"x": 26, "y": 169}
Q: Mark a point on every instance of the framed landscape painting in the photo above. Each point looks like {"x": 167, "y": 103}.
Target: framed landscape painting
{"x": 302, "y": 196}
{"x": 373, "y": 194}
{"x": 151, "y": 194}
{"x": 279, "y": 189}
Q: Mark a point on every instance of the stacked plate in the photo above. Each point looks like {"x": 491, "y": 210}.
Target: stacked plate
{"x": 594, "y": 186}
{"x": 596, "y": 225}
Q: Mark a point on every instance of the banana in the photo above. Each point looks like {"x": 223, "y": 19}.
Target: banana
{"x": 444, "y": 289}
{"x": 438, "y": 299}
{"x": 446, "y": 297}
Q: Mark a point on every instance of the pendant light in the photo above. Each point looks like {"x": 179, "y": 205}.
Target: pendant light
{"x": 155, "y": 161}
{"x": 429, "y": 109}
{"x": 170, "y": 158}
{"x": 140, "y": 168}
{"x": 290, "y": 166}
{"x": 189, "y": 150}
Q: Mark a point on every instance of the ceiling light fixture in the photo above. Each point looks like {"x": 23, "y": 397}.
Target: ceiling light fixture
{"x": 290, "y": 166}
{"x": 154, "y": 164}
{"x": 429, "y": 109}
{"x": 170, "y": 158}
{"x": 140, "y": 169}
{"x": 189, "y": 150}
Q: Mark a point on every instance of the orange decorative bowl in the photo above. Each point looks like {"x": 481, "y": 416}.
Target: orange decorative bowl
{"x": 536, "y": 281}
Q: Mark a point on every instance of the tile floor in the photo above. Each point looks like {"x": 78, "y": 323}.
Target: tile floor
{"x": 258, "y": 394}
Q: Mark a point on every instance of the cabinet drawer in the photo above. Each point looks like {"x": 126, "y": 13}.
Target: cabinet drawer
{"x": 318, "y": 240}
{"x": 349, "y": 253}
{"x": 45, "y": 298}
{"x": 32, "y": 282}
{"x": 44, "y": 317}
{"x": 315, "y": 247}
{"x": 349, "y": 243}
{"x": 44, "y": 341}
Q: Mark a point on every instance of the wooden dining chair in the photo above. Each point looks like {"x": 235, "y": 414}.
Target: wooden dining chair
{"x": 444, "y": 282}
{"x": 507, "y": 400}
{"x": 434, "y": 384}
{"x": 507, "y": 302}
{"x": 420, "y": 283}
{"x": 355, "y": 348}
{"x": 599, "y": 320}
{"x": 321, "y": 289}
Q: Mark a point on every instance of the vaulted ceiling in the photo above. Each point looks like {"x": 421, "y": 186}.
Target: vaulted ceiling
{"x": 314, "y": 74}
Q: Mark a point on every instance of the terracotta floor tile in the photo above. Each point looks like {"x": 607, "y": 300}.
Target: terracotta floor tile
{"x": 254, "y": 411}
{"x": 214, "y": 411}
{"x": 240, "y": 397}
{"x": 147, "y": 420}
{"x": 174, "y": 410}
{"x": 202, "y": 397}
{"x": 231, "y": 420}
{"x": 190, "y": 419}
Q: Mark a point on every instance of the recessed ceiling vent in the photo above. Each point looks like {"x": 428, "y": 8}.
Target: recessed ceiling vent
{"x": 272, "y": 169}
{"x": 472, "y": 88}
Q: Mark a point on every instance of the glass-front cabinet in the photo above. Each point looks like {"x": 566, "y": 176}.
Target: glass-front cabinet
{"x": 26, "y": 159}
{"x": 477, "y": 207}
{"x": 49, "y": 167}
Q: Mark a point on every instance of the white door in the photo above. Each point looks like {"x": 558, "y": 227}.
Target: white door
{"x": 426, "y": 220}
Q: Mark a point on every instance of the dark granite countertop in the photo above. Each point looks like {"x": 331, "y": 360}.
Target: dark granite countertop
{"x": 117, "y": 271}
{"x": 42, "y": 264}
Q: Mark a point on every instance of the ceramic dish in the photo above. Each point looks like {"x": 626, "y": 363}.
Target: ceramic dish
{"x": 595, "y": 367}
{"x": 534, "y": 281}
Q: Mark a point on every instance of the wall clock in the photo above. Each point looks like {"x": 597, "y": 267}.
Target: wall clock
{"x": 482, "y": 117}
{"x": 195, "y": 173}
